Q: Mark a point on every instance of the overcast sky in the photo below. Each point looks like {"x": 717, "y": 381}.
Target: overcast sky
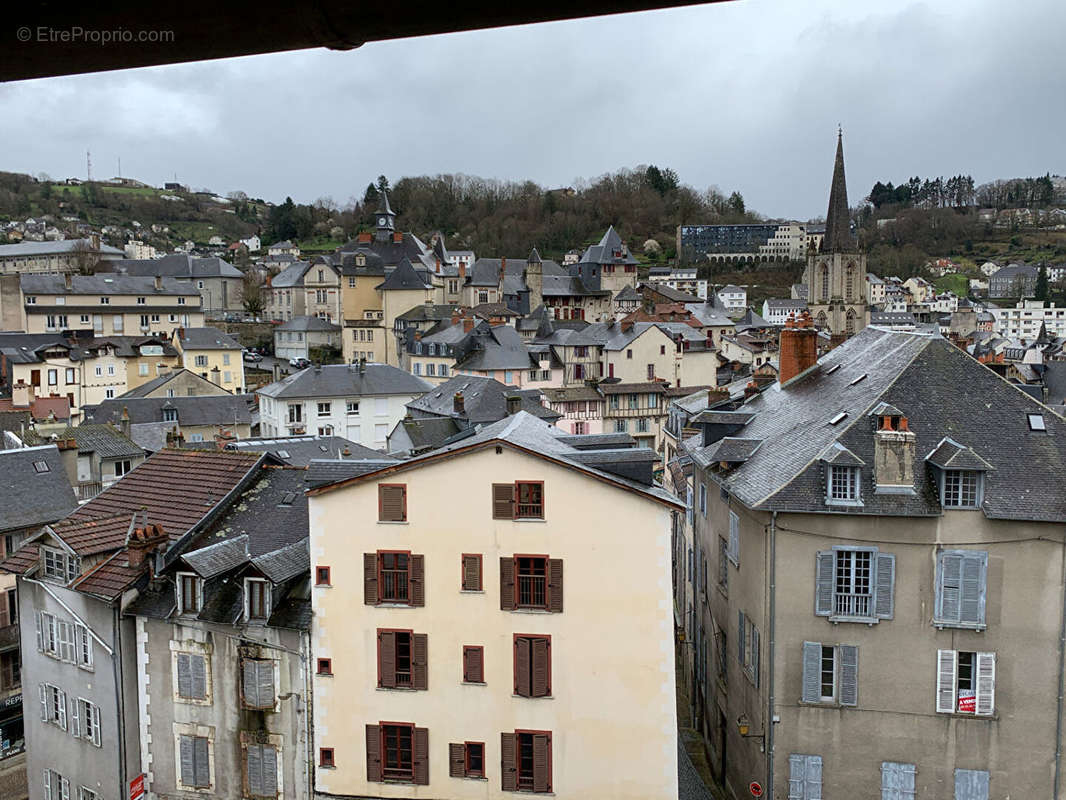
{"x": 743, "y": 95}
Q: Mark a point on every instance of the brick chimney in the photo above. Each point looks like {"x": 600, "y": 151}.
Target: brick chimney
{"x": 20, "y": 395}
{"x": 468, "y": 324}
{"x": 751, "y": 390}
{"x": 125, "y": 423}
{"x": 514, "y": 404}
{"x": 142, "y": 541}
{"x": 68, "y": 280}
{"x": 459, "y": 403}
{"x": 798, "y": 349}
{"x": 462, "y": 270}
{"x": 894, "y": 448}
{"x": 716, "y": 396}
{"x": 365, "y": 238}
{"x": 397, "y": 238}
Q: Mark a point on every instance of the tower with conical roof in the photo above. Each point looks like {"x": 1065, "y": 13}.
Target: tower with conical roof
{"x": 534, "y": 276}
{"x": 836, "y": 272}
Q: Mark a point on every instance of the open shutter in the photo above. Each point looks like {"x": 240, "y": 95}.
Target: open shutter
{"x": 886, "y": 583}
{"x": 184, "y": 675}
{"x": 62, "y": 704}
{"x": 740, "y": 637}
{"x": 508, "y": 759}
{"x": 797, "y": 777}
{"x": 541, "y": 656}
{"x": 541, "y": 775}
{"x": 986, "y": 684}
{"x": 971, "y": 784}
{"x": 370, "y": 579}
{"x": 188, "y": 772}
{"x": 421, "y": 756}
{"x": 75, "y": 718}
{"x": 825, "y": 562}
{"x": 270, "y": 770}
{"x": 418, "y": 580}
{"x": 507, "y": 584}
{"x": 812, "y": 672}
{"x": 814, "y": 778}
{"x": 948, "y": 588}
{"x": 974, "y": 580}
{"x": 265, "y": 683}
{"x": 755, "y": 656}
{"x": 48, "y": 784}
{"x": 472, "y": 573}
{"x": 555, "y": 585}
{"x": 199, "y": 676}
{"x": 254, "y": 769}
{"x": 387, "y": 659}
{"x": 64, "y": 789}
{"x": 849, "y": 674}
{"x": 420, "y": 661}
{"x": 43, "y": 694}
{"x": 203, "y": 767}
{"x": 522, "y": 684}
{"x": 503, "y": 500}
{"x": 734, "y": 538}
{"x": 249, "y": 673}
{"x": 96, "y": 725}
{"x": 40, "y": 634}
{"x": 457, "y": 760}
{"x": 947, "y": 666}
{"x": 373, "y": 753}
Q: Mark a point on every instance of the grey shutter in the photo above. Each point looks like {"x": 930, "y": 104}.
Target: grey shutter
{"x": 812, "y": 672}
{"x": 188, "y": 771}
{"x": 849, "y": 674}
{"x": 740, "y": 637}
{"x": 254, "y": 769}
{"x": 203, "y": 769}
{"x": 734, "y": 538}
{"x": 184, "y": 675}
{"x": 797, "y": 777}
{"x": 971, "y": 784}
{"x": 755, "y": 656}
{"x": 64, "y": 789}
{"x": 265, "y": 683}
{"x": 62, "y": 705}
{"x": 75, "y": 718}
{"x": 824, "y": 567}
{"x": 948, "y": 584}
{"x": 986, "y": 684}
{"x": 814, "y": 778}
{"x": 897, "y": 781}
{"x": 886, "y": 583}
{"x": 251, "y": 682}
{"x": 198, "y": 666}
{"x": 946, "y": 668}
{"x": 973, "y": 591}
{"x": 270, "y": 770}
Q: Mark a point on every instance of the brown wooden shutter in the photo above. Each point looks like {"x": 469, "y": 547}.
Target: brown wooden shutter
{"x": 392, "y": 502}
{"x": 473, "y": 665}
{"x": 419, "y": 661}
{"x": 421, "y": 756}
{"x": 457, "y": 760}
{"x": 472, "y": 573}
{"x": 507, "y": 570}
{"x": 387, "y": 659}
{"x": 555, "y": 584}
{"x": 508, "y": 759}
{"x": 503, "y": 501}
{"x": 540, "y": 685}
{"x": 541, "y": 771}
{"x": 522, "y": 680}
{"x": 373, "y": 753}
{"x": 370, "y": 579}
{"x": 417, "y": 588}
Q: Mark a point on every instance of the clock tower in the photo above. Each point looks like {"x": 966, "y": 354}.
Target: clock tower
{"x": 386, "y": 220}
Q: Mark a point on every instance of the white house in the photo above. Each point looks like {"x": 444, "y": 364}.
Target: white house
{"x": 1023, "y": 321}
{"x": 361, "y": 402}
{"x": 734, "y": 298}
{"x": 252, "y": 243}
{"x": 777, "y": 311}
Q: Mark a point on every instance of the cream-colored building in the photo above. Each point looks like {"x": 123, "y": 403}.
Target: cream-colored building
{"x": 212, "y": 354}
{"x": 449, "y": 662}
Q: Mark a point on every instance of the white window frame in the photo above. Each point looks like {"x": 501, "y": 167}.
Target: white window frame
{"x": 86, "y": 720}
{"x": 984, "y": 682}
{"x": 178, "y": 583}
{"x": 247, "y": 601}
{"x": 68, "y": 560}
{"x": 961, "y": 475}
{"x": 734, "y": 539}
{"x": 83, "y": 647}
{"x": 849, "y": 488}
{"x": 53, "y": 705}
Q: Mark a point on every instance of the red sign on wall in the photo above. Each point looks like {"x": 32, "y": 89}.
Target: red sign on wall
{"x": 137, "y": 787}
{"x": 755, "y": 789}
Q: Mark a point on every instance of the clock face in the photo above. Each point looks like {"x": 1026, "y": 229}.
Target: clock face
{"x": 382, "y": 221}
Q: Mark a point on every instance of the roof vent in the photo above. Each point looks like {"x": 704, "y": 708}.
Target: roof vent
{"x": 832, "y": 369}
{"x": 859, "y": 379}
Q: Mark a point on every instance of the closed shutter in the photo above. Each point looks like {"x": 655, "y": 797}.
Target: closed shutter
{"x": 812, "y": 672}
{"x": 541, "y": 771}
{"x": 814, "y": 778}
{"x": 971, "y": 784}
{"x": 825, "y": 563}
{"x": 541, "y": 656}
{"x": 897, "y": 781}
{"x": 184, "y": 675}
{"x": 387, "y": 659}
{"x": 886, "y": 583}
{"x": 203, "y": 768}
{"x": 522, "y": 678}
{"x": 373, "y": 753}
{"x": 199, "y": 676}
{"x": 974, "y": 581}
{"x": 947, "y": 666}
{"x": 755, "y": 656}
{"x": 949, "y": 587}
{"x": 457, "y": 760}
{"x": 370, "y": 579}
{"x": 797, "y": 777}
{"x": 508, "y": 758}
{"x": 740, "y": 637}
{"x": 250, "y": 674}
{"x": 75, "y": 718}
{"x": 986, "y": 684}
{"x": 849, "y": 674}
{"x": 472, "y": 573}
{"x": 265, "y": 683}
{"x": 270, "y": 770}
{"x": 417, "y": 578}
{"x": 421, "y": 756}
{"x": 420, "y": 661}
{"x": 188, "y": 771}
{"x": 254, "y": 769}
{"x": 473, "y": 665}
{"x": 48, "y": 784}
{"x": 507, "y": 599}
{"x": 503, "y": 500}
{"x": 392, "y": 500}
{"x": 555, "y": 585}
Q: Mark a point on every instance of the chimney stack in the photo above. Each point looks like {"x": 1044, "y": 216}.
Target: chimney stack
{"x": 468, "y": 324}
{"x": 798, "y": 349}
{"x": 125, "y": 426}
{"x": 894, "y": 449}
{"x": 458, "y": 403}
{"x": 68, "y": 280}
{"x": 462, "y": 270}
{"x": 514, "y": 404}
{"x": 158, "y": 282}
{"x": 362, "y": 366}
{"x": 751, "y": 390}
{"x": 142, "y": 541}
{"x": 20, "y": 395}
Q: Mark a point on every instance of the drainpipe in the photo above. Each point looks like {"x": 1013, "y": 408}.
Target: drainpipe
{"x": 1062, "y": 668}
{"x": 772, "y": 622}
{"x": 120, "y": 699}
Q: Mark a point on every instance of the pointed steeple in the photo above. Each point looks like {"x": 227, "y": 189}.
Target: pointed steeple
{"x": 385, "y": 207}
{"x": 386, "y": 219}
{"x": 534, "y": 257}
{"x": 838, "y": 238}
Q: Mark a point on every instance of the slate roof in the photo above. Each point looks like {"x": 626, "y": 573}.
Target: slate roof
{"x": 614, "y": 336}
{"x": 940, "y": 389}
{"x": 290, "y": 277}
{"x": 104, "y": 283}
{"x": 300, "y": 451}
{"x": 24, "y": 249}
{"x": 709, "y": 314}
{"x": 207, "y": 339}
{"x": 31, "y": 498}
{"x": 146, "y": 389}
{"x": 321, "y": 472}
{"x": 484, "y": 400}
{"x": 494, "y": 348}
{"x": 177, "y": 265}
{"x": 603, "y": 253}
{"x": 404, "y": 277}
{"x": 104, "y": 440}
{"x": 628, "y": 293}
{"x": 425, "y": 312}
{"x": 343, "y": 380}
{"x": 424, "y": 433}
{"x": 674, "y": 295}
{"x": 838, "y": 238}
{"x": 308, "y": 324}
{"x": 207, "y": 409}
{"x": 215, "y": 559}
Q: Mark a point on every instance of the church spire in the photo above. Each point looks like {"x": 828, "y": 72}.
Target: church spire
{"x": 838, "y": 237}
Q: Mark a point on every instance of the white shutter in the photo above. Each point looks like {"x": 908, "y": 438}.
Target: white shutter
{"x": 849, "y": 674}
{"x": 814, "y": 778}
{"x": 64, "y": 788}
{"x": 971, "y": 784}
{"x": 734, "y": 538}
{"x": 40, "y": 633}
{"x": 946, "y": 670}
{"x": 886, "y": 584}
{"x": 95, "y": 709}
{"x": 797, "y": 777}
{"x": 897, "y": 781}
{"x": 43, "y": 694}
{"x": 824, "y": 569}
{"x": 986, "y": 684}
{"x": 812, "y": 672}
{"x": 62, "y": 707}
{"x": 75, "y": 717}
{"x": 47, "y": 784}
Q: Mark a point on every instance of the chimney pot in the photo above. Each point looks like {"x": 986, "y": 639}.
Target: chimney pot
{"x": 459, "y": 403}
{"x": 798, "y": 347}
{"x": 462, "y": 270}
{"x": 468, "y": 324}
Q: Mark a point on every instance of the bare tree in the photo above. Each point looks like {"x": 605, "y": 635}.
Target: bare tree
{"x": 85, "y": 256}
{"x": 253, "y": 292}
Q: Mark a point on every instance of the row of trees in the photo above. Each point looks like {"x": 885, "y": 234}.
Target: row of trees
{"x": 959, "y": 191}
{"x": 1017, "y": 193}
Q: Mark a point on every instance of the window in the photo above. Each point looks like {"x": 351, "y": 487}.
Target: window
{"x": 105, "y": 301}
{"x": 397, "y": 751}
{"x": 53, "y": 705}
{"x": 748, "y": 647}
{"x": 352, "y": 407}
{"x": 109, "y": 394}
{"x": 471, "y": 572}
{"x": 842, "y": 485}
{"x": 142, "y": 370}
{"x": 53, "y": 377}
{"x": 532, "y": 582}
{"x": 181, "y": 301}
{"x": 854, "y": 584}
{"x": 142, "y": 301}
{"x": 703, "y": 499}
{"x": 71, "y": 376}
{"x": 122, "y": 467}
{"x": 723, "y": 565}
{"x": 830, "y": 673}
{"x": 10, "y": 670}
{"x": 971, "y": 784}
{"x": 966, "y": 683}
{"x": 897, "y": 781}
{"x": 85, "y": 721}
{"x": 47, "y": 638}
{"x": 620, "y": 426}
{"x": 381, "y": 432}
{"x": 190, "y": 590}
{"x": 526, "y": 761}
{"x": 261, "y": 770}
{"x": 59, "y": 566}
{"x": 192, "y": 676}
{"x": 295, "y": 412}
{"x": 83, "y": 647}
{"x": 195, "y": 767}
{"x": 322, "y": 576}
{"x": 961, "y": 587}
{"x": 325, "y": 409}
{"x": 257, "y": 682}
{"x": 466, "y": 760}
{"x": 734, "y": 539}
{"x": 201, "y": 361}
{"x": 41, "y": 467}
{"x": 402, "y": 659}
{"x": 170, "y": 415}
{"x": 613, "y": 402}
{"x": 325, "y": 666}
{"x": 961, "y": 488}
{"x": 325, "y": 757}
{"x": 393, "y": 576}
{"x": 532, "y": 666}
{"x": 256, "y": 600}
{"x": 392, "y": 502}
{"x": 804, "y": 777}
{"x": 629, "y": 354}
{"x": 85, "y": 793}
{"x": 56, "y": 787}
{"x": 520, "y": 500}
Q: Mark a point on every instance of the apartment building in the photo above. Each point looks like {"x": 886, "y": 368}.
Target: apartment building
{"x": 638, "y": 409}
{"x": 471, "y": 671}
{"x": 63, "y": 255}
{"x": 877, "y": 577}
{"x": 285, "y": 293}
{"x": 1026, "y": 318}
{"x": 218, "y": 282}
{"x": 212, "y": 354}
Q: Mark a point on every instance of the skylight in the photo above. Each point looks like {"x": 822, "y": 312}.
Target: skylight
{"x": 839, "y": 416}
{"x": 859, "y": 379}
{"x": 283, "y": 453}
{"x": 1036, "y": 422}
{"x": 287, "y": 499}
{"x": 42, "y": 466}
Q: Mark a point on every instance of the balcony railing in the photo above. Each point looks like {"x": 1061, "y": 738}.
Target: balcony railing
{"x": 532, "y": 591}
{"x": 852, "y": 605}
{"x": 88, "y": 490}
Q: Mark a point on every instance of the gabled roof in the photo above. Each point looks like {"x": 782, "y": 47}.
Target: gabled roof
{"x": 300, "y": 451}
{"x": 36, "y": 489}
{"x": 95, "y": 535}
{"x": 207, "y": 339}
{"x": 103, "y": 440}
{"x": 484, "y": 400}
{"x": 145, "y": 389}
{"x": 604, "y": 252}
{"x": 949, "y": 454}
{"x": 404, "y": 277}
{"x": 291, "y": 276}
{"x": 204, "y": 409}
{"x": 343, "y": 380}
{"x": 308, "y": 324}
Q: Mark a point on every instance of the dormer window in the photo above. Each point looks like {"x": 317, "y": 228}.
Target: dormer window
{"x": 190, "y": 591}
{"x": 961, "y": 488}
{"x": 59, "y": 565}
{"x": 256, "y": 600}
{"x": 842, "y": 485}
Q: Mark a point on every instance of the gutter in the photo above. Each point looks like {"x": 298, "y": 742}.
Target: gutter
{"x": 1059, "y": 701}
{"x": 72, "y": 613}
{"x": 770, "y": 719}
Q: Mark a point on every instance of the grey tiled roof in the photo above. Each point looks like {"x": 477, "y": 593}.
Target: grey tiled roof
{"x": 484, "y": 400}
{"x": 291, "y": 276}
{"x": 104, "y": 283}
{"x": 732, "y": 450}
{"x": 207, "y": 339}
{"x": 222, "y": 409}
{"x": 207, "y": 562}
{"x": 33, "y": 498}
{"x": 603, "y": 253}
{"x": 104, "y": 440}
{"x": 405, "y": 277}
{"x": 300, "y": 451}
{"x": 308, "y": 324}
{"x": 952, "y": 455}
{"x": 323, "y": 471}
{"x": 24, "y": 249}
{"x": 284, "y": 563}
{"x": 343, "y": 380}
{"x": 175, "y": 266}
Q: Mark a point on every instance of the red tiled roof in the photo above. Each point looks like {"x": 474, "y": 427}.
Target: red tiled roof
{"x": 88, "y": 536}
{"x": 40, "y": 407}
{"x": 111, "y": 577}
{"x": 176, "y": 488}
{"x": 21, "y": 560}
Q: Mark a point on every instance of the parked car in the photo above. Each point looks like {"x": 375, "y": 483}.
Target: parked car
{"x": 252, "y": 356}
{"x": 299, "y": 363}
